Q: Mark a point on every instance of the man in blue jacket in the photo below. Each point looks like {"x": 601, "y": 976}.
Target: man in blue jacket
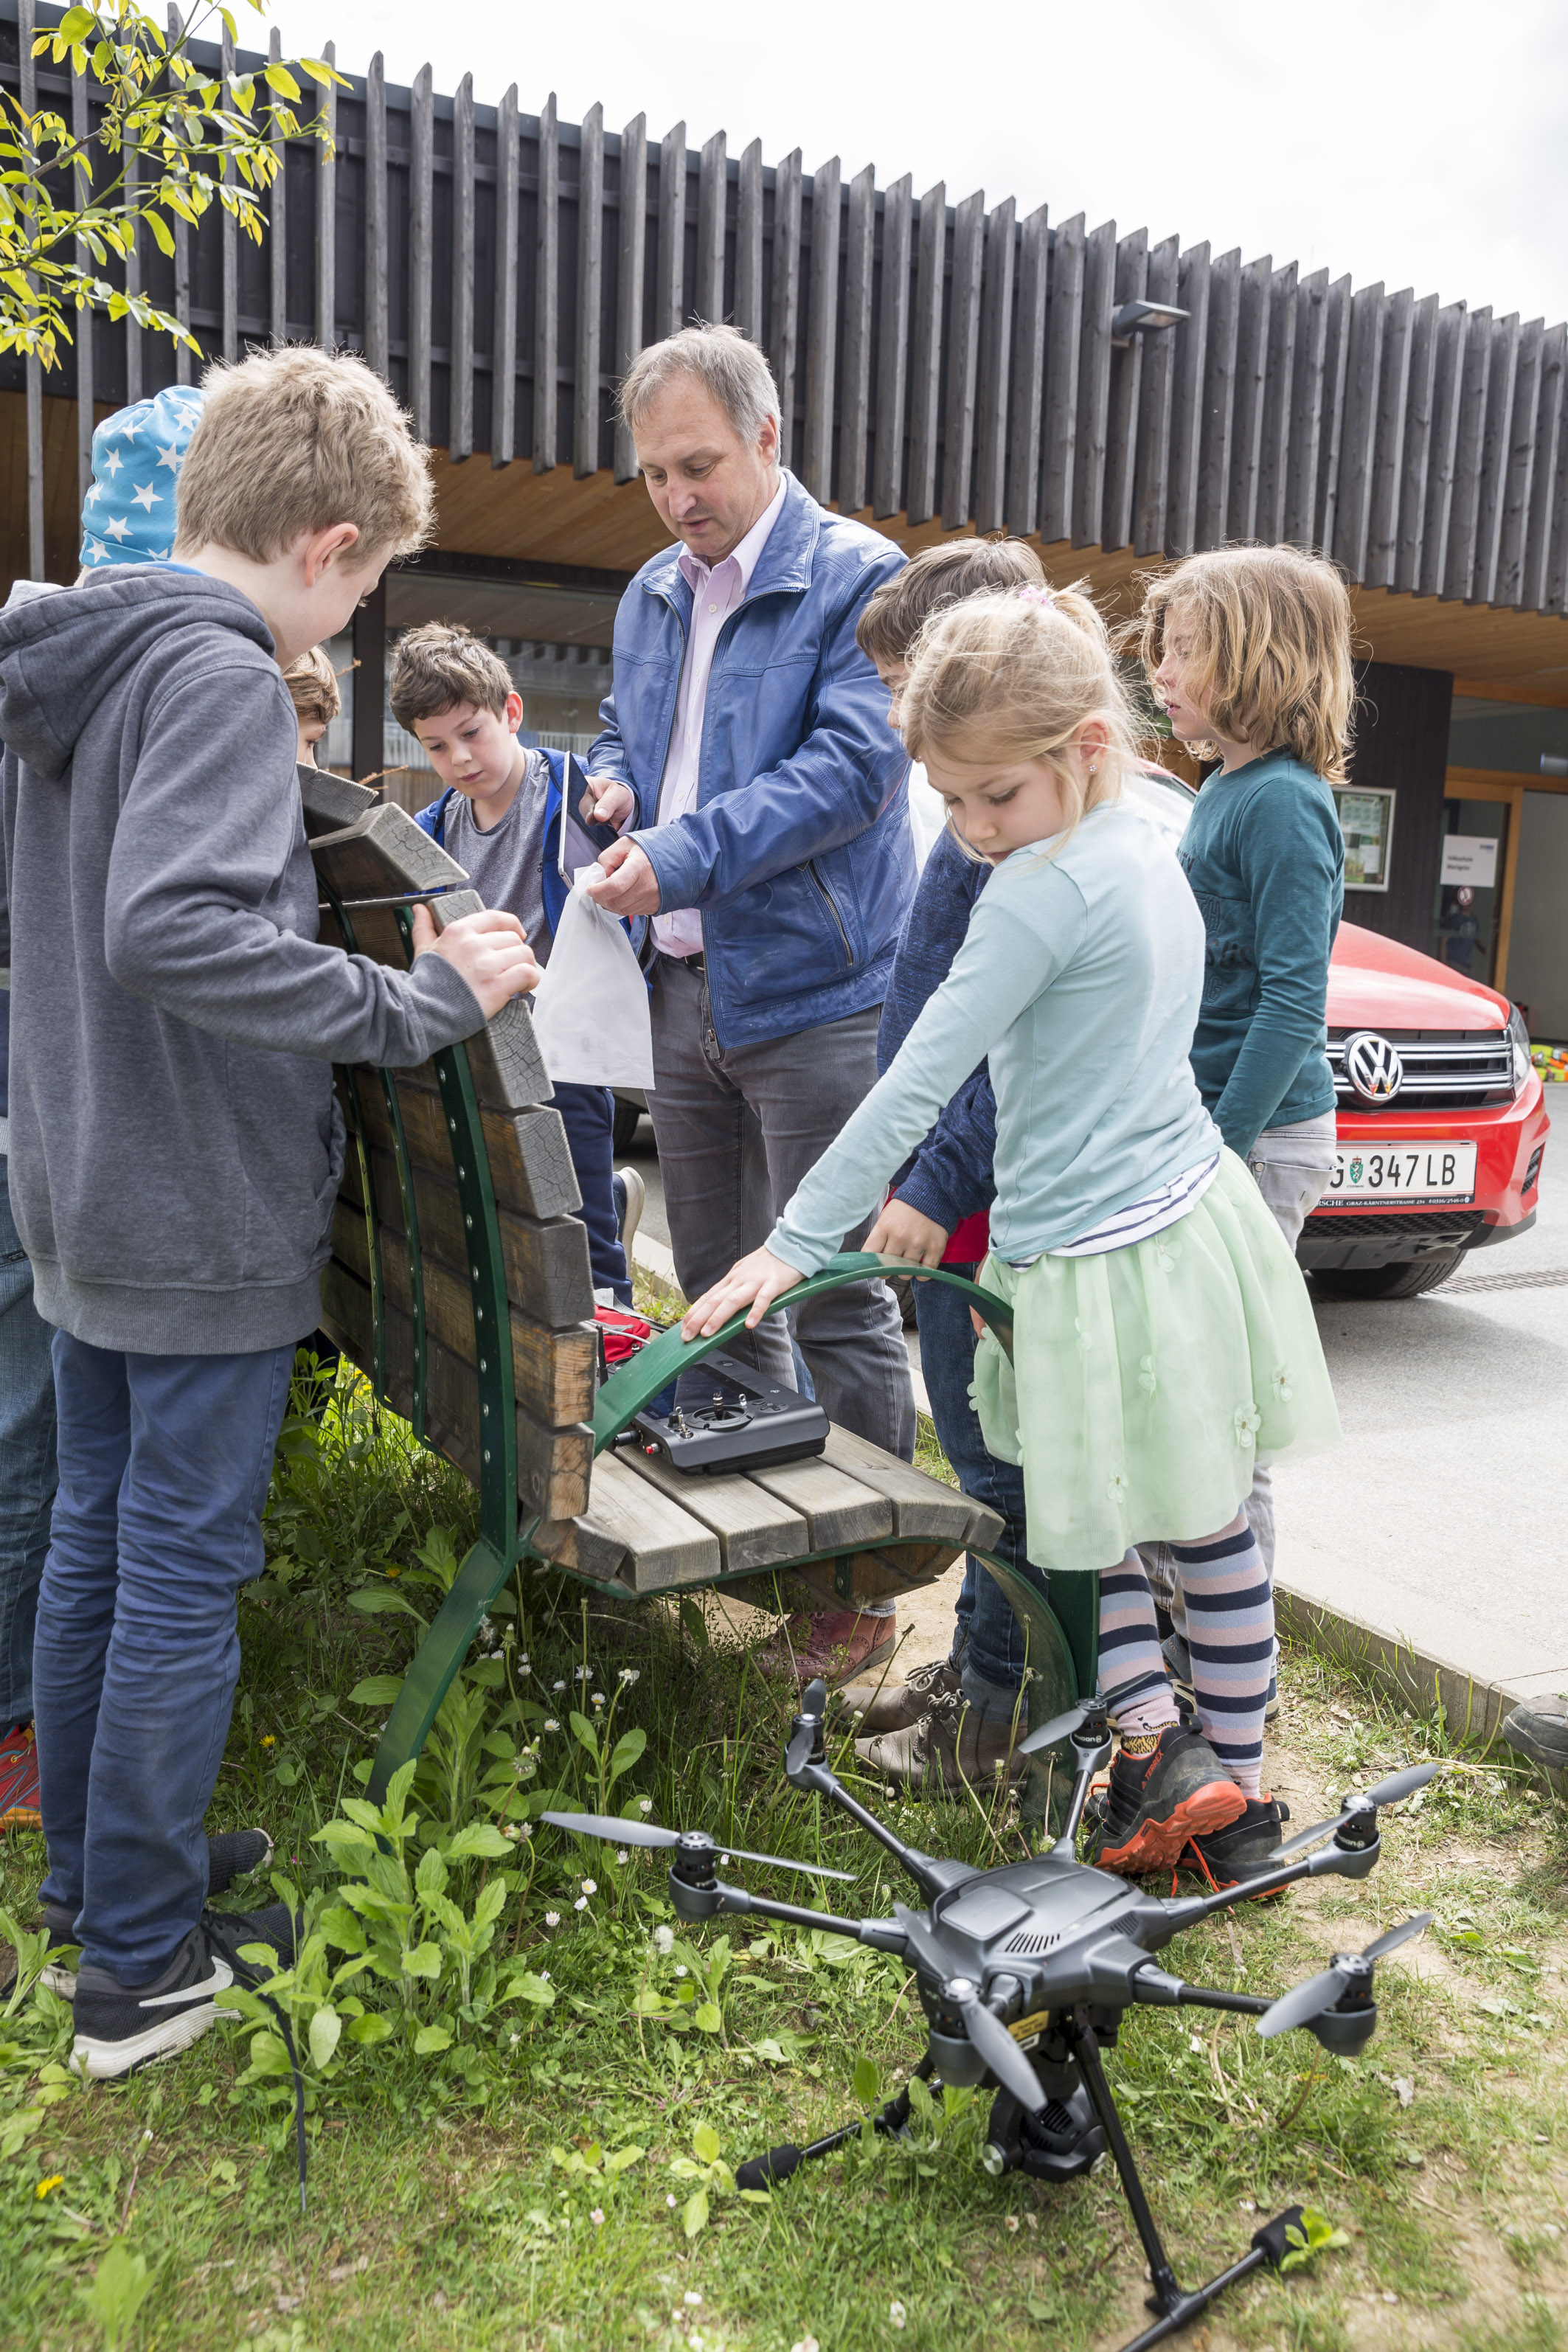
{"x": 763, "y": 808}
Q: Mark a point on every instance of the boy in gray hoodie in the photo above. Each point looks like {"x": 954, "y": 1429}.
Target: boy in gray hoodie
{"x": 175, "y": 1144}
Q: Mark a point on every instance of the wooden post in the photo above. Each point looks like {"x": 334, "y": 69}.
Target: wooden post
{"x": 369, "y": 755}
{"x": 1187, "y": 401}
{"x": 749, "y": 314}
{"x": 996, "y": 366}
{"x": 547, "y": 292}
{"x": 277, "y": 212}
{"x": 1151, "y": 465}
{"x": 1273, "y": 456}
{"x": 1252, "y": 317}
{"x": 503, "y": 358}
{"x": 1389, "y": 467}
{"x": 590, "y": 293}
{"x": 82, "y": 127}
{"x": 925, "y": 353}
{"x": 421, "y": 237}
{"x": 1336, "y": 365}
{"x": 1543, "y": 482}
{"x": 784, "y": 348}
{"x": 822, "y": 331}
{"x": 963, "y": 357}
{"x": 1027, "y": 392}
{"x": 182, "y": 236}
{"x": 1448, "y": 378}
{"x": 1417, "y": 469}
{"x": 1126, "y": 378}
{"x": 1094, "y": 384}
{"x": 855, "y": 398}
{"x": 26, "y": 32}
{"x": 227, "y": 225}
{"x": 460, "y": 397}
{"x": 1495, "y": 455}
{"x": 892, "y": 358}
{"x": 1300, "y": 526}
{"x": 670, "y": 290}
{"x": 375, "y": 330}
{"x": 712, "y": 191}
{"x": 1352, "y": 510}
{"x": 1513, "y": 539}
{"x": 633, "y": 224}
{"x": 327, "y": 218}
{"x": 1219, "y": 398}
{"x": 1064, "y": 325}
{"x": 1460, "y": 556}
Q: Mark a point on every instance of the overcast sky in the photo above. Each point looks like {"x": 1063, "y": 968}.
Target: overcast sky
{"x": 1424, "y": 142}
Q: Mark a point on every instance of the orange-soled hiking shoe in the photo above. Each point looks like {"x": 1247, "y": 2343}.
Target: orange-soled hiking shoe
{"x": 1161, "y": 1800}
{"x": 20, "y": 1798}
{"x": 1245, "y": 1848}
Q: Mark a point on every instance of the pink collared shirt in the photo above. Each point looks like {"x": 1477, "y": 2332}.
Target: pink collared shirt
{"x": 716, "y": 590}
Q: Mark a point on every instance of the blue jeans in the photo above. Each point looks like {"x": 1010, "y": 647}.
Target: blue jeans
{"x": 988, "y": 1641}
{"x": 165, "y": 1463}
{"x": 26, "y": 1464}
{"x": 588, "y": 1114}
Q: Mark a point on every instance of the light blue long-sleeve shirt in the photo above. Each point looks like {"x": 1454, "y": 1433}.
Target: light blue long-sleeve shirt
{"x": 1079, "y": 980}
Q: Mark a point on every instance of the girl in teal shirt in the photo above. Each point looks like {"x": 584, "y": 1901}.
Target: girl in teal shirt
{"x": 1161, "y": 1328}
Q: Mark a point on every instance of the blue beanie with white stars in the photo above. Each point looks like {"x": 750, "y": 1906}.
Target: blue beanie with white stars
{"x": 137, "y": 453}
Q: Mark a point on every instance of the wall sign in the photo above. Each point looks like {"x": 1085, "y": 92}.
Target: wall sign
{"x": 1470, "y": 857}
{"x": 1366, "y": 819}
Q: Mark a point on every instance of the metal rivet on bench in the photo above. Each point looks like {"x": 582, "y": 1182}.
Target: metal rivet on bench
{"x": 453, "y": 1125}
{"x": 483, "y": 1366}
{"x": 462, "y": 1172}
{"x": 486, "y": 1454}
{"x": 485, "y": 1411}
{"x": 469, "y": 1223}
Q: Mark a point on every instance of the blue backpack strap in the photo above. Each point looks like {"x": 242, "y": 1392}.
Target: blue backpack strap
{"x": 431, "y": 818}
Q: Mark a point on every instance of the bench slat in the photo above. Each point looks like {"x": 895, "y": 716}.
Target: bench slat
{"x": 924, "y": 1509}
{"x": 531, "y": 1167}
{"x": 753, "y": 1527}
{"x": 385, "y": 854}
{"x": 548, "y": 1272}
{"x": 553, "y": 1371}
{"x": 663, "y": 1545}
{"x": 839, "y": 1509}
{"x": 330, "y": 801}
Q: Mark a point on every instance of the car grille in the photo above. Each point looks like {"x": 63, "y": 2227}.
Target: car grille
{"x": 1445, "y": 1069}
{"x": 1458, "y": 1223}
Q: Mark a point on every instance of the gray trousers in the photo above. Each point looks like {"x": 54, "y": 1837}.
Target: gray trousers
{"x": 737, "y": 1129}
{"x": 1291, "y": 1166}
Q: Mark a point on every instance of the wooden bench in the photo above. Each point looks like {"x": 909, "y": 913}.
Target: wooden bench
{"x": 459, "y": 1285}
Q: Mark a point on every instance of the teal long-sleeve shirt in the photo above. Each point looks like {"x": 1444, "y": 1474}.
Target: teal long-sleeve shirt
{"x": 1265, "y": 858}
{"x": 1079, "y": 980}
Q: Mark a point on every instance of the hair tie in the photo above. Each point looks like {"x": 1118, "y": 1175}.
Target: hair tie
{"x": 1029, "y": 595}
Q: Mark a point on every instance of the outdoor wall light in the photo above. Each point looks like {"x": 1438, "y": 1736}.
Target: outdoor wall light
{"x": 1554, "y": 764}
{"x": 1141, "y": 319}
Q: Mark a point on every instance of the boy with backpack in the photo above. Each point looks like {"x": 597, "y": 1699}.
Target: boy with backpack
{"x": 174, "y": 1143}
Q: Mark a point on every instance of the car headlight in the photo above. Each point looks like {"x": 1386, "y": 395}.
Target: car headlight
{"x": 1519, "y": 1042}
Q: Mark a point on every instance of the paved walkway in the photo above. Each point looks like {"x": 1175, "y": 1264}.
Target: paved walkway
{"x": 1434, "y": 1538}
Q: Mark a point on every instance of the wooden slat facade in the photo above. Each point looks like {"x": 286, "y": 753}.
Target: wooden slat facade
{"x": 502, "y": 269}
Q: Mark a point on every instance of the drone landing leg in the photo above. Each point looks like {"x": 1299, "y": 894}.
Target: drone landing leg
{"x": 1176, "y": 2307}
{"x": 767, "y": 2172}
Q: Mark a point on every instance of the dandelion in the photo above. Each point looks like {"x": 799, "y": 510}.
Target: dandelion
{"x": 268, "y": 1740}
{"x": 664, "y": 1941}
{"x": 1012, "y": 2223}
{"x": 590, "y": 1887}
{"x": 597, "y": 2217}
{"x": 580, "y": 1904}
{"x": 393, "y": 1573}
{"x": 631, "y": 1674}
{"x": 897, "y": 2315}
{"x": 553, "y": 1918}
{"x": 46, "y": 2188}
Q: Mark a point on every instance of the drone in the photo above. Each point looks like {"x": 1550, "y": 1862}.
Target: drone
{"x": 1024, "y": 1972}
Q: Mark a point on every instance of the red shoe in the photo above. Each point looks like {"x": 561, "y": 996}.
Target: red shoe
{"x": 834, "y": 1644}
{"x": 19, "y": 1807}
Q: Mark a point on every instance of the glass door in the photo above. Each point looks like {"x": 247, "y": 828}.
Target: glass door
{"x": 1466, "y": 920}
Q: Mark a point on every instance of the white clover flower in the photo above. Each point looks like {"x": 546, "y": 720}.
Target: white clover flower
{"x": 522, "y": 1661}
{"x": 670, "y": 2201}
{"x": 557, "y": 1685}
{"x": 597, "y": 2217}
{"x": 897, "y": 2315}
{"x": 581, "y": 1674}
{"x": 524, "y": 1830}
{"x": 631, "y": 1674}
{"x": 590, "y": 1887}
{"x": 623, "y": 1855}
{"x": 664, "y": 1941}
{"x": 645, "y": 1804}
{"x": 692, "y": 2297}
{"x": 680, "y": 1969}
{"x": 580, "y": 1904}
{"x": 544, "y": 1975}
{"x": 553, "y": 1918}
{"x": 514, "y": 2039}
{"x": 1011, "y": 2223}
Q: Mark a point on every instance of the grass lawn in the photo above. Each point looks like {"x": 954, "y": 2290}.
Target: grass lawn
{"x": 526, "y": 2084}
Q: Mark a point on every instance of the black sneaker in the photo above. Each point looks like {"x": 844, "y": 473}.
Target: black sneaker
{"x": 231, "y": 1855}
{"x": 1244, "y": 1849}
{"x": 119, "y": 2029}
{"x": 1156, "y": 1802}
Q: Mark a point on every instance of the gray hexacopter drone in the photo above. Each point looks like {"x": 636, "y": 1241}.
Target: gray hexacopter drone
{"x": 1024, "y": 1971}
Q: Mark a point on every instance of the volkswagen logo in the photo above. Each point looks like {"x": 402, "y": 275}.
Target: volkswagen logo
{"x": 1372, "y": 1066}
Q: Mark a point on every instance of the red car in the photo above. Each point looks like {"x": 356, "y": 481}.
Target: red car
{"x": 1442, "y": 1123}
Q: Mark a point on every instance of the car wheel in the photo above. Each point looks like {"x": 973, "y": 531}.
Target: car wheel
{"x": 627, "y": 1117}
{"x": 1405, "y": 1278}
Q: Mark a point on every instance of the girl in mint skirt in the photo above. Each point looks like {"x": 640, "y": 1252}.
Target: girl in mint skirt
{"x": 1161, "y": 1332}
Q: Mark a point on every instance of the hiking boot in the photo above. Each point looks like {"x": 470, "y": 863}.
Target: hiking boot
{"x": 1178, "y": 1661}
{"x": 231, "y": 1855}
{"x": 1156, "y": 1802}
{"x": 1540, "y": 1732}
{"x": 1244, "y": 1849}
{"x": 898, "y": 1706}
{"x": 951, "y": 1745}
{"x": 19, "y": 1779}
{"x": 120, "y": 2029}
{"x": 835, "y": 1644}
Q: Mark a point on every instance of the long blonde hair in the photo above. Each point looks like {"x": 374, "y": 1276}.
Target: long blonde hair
{"x": 1023, "y": 670}
{"x": 1271, "y": 630}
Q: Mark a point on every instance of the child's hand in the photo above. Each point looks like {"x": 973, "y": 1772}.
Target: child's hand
{"x": 902, "y": 1232}
{"x": 756, "y": 1281}
{"x": 614, "y": 805}
{"x": 490, "y": 950}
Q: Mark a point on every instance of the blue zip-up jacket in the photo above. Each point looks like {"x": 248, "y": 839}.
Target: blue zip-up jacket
{"x": 951, "y": 1176}
{"x": 798, "y": 853}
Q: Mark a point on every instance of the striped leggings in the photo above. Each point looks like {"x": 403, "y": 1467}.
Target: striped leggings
{"x": 1230, "y": 1634}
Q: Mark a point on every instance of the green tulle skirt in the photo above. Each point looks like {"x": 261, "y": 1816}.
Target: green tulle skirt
{"x": 1144, "y": 1384}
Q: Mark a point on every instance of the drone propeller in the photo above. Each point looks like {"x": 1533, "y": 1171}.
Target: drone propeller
{"x": 1392, "y": 1791}
{"x": 996, "y": 2045}
{"x": 601, "y": 1825}
{"x": 807, "y": 1727}
{"x": 1060, "y": 1726}
{"x": 1309, "y": 2000}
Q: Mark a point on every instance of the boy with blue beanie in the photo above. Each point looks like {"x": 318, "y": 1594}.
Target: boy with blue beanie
{"x": 174, "y": 1145}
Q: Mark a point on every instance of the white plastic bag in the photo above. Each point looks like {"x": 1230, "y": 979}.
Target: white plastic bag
{"x": 590, "y": 1011}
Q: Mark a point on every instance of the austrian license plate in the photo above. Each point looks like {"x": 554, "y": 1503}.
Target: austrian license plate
{"x": 1410, "y": 1175}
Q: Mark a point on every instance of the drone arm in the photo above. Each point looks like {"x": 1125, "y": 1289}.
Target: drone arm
{"x": 1159, "y": 1991}
{"x": 822, "y": 1778}
{"x": 1333, "y": 1862}
{"x": 705, "y": 1901}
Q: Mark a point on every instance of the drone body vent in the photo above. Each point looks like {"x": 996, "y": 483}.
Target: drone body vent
{"x": 1029, "y": 1947}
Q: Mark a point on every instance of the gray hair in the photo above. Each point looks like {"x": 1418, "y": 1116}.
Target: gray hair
{"x": 734, "y": 370}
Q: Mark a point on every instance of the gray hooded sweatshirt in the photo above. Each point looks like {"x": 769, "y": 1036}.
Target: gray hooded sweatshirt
{"x": 175, "y": 1144}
